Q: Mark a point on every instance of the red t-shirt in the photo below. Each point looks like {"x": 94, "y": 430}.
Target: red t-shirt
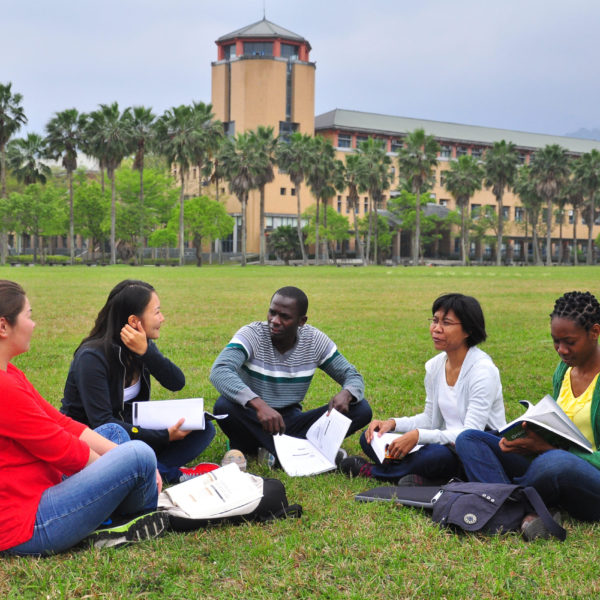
{"x": 38, "y": 445}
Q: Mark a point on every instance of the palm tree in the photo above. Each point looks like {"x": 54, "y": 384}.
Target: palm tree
{"x": 211, "y": 135}
{"x": 550, "y": 169}
{"x": 63, "y": 138}
{"x": 24, "y": 159}
{"x": 587, "y": 171}
{"x": 265, "y": 144}
{"x": 527, "y": 189}
{"x": 111, "y": 132}
{"x": 462, "y": 180}
{"x": 178, "y": 137}
{"x": 415, "y": 161}
{"x": 320, "y": 174}
{"x": 294, "y": 157}
{"x": 501, "y": 162}
{"x": 142, "y": 133}
{"x": 574, "y": 194}
{"x": 12, "y": 117}
{"x": 354, "y": 183}
{"x": 376, "y": 177}
{"x": 238, "y": 159}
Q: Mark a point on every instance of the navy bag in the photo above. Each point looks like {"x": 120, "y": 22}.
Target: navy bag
{"x": 490, "y": 507}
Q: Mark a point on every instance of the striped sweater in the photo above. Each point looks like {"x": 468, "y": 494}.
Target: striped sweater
{"x": 249, "y": 366}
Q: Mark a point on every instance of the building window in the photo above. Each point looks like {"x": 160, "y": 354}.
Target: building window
{"x": 522, "y": 158}
{"x": 506, "y": 213}
{"x": 442, "y": 178}
{"x": 461, "y": 150}
{"x": 475, "y": 210}
{"x": 344, "y": 140}
{"x": 293, "y": 191}
{"x": 258, "y": 48}
{"x": 229, "y": 51}
{"x": 443, "y": 202}
{"x": 339, "y": 204}
{"x": 289, "y": 51}
{"x": 194, "y": 173}
{"x": 476, "y": 152}
{"x": 282, "y": 191}
{"x": 360, "y": 139}
{"x": 519, "y": 214}
{"x": 229, "y": 128}
{"x": 396, "y": 145}
{"x": 366, "y": 204}
{"x": 348, "y": 204}
{"x": 286, "y": 128}
{"x": 570, "y": 217}
{"x": 392, "y": 174}
{"x": 446, "y": 151}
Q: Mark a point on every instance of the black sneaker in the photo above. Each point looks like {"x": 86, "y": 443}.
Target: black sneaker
{"x": 143, "y": 527}
{"x": 414, "y": 480}
{"x": 353, "y": 466}
{"x": 533, "y": 528}
{"x": 340, "y": 456}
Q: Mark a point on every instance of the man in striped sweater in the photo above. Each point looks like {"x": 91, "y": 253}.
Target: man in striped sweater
{"x": 264, "y": 373}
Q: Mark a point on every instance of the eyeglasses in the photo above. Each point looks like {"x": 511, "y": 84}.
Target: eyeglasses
{"x": 434, "y": 322}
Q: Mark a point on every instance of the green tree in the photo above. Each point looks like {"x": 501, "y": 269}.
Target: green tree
{"x": 283, "y": 242}
{"x": 415, "y": 161}
{"x": 24, "y": 159}
{"x": 142, "y": 136}
{"x": 383, "y": 240}
{"x": 63, "y": 137}
{"x": 295, "y": 156}
{"x": 92, "y": 214}
{"x": 111, "y": 132}
{"x": 462, "y": 180}
{"x": 206, "y": 218}
{"x": 165, "y": 237}
{"x": 323, "y": 171}
{"x": 354, "y": 183}
{"x": 574, "y": 193}
{"x": 375, "y": 175}
{"x": 337, "y": 228}
{"x": 587, "y": 172}
{"x": 528, "y": 191}
{"x": 240, "y": 164}
{"x": 501, "y": 162}
{"x": 550, "y": 169}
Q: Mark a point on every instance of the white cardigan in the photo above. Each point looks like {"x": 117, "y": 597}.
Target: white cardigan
{"x": 478, "y": 395}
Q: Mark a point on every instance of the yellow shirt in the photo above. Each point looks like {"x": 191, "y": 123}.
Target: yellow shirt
{"x": 578, "y": 409}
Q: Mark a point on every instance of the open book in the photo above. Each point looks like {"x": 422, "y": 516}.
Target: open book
{"x": 549, "y": 421}
{"x": 224, "y": 492}
{"x": 316, "y": 453}
{"x": 380, "y": 444}
{"x": 162, "y": 414}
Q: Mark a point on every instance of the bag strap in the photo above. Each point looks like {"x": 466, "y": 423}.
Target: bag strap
{"x": 540, "y": 508}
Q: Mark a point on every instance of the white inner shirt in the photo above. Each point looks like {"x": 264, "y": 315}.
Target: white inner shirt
{"x": 447, "y": 404}
{"x": 131, "y": 392}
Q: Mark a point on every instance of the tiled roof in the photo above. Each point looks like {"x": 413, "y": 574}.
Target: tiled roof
{"x": 363, "y": 122}
{"x": 262, "y": 29}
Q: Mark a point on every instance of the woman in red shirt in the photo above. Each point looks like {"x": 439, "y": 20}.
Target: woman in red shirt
{"x": 59, "y": 480}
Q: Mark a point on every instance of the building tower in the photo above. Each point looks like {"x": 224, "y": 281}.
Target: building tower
{"x": 263, "y": 76}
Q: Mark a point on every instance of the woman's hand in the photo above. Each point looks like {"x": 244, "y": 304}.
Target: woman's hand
{"x": 380, "y": 426}
{"x": 135, "y": 338}
{"x": 401, "y": 446}
{"x": 531, "y": 443}
{"x": 158, "y": 482}
{"x": 175, "y": 432}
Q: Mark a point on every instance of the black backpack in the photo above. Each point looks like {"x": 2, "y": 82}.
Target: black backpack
{"x": 490, "y": 507}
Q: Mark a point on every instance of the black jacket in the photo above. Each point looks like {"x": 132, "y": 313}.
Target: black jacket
{"x": 94, "y": 389}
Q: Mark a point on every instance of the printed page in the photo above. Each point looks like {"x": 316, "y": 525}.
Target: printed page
{"x": 328, "y": 432}
{"x": 379, "y": 444}
{"x": 299, "y": 457}
{"x": 162, "y": 414}
{"x": 222, "y": 492}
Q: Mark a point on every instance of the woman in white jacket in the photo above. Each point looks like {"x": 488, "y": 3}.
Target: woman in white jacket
{"x": 463, "y": 391}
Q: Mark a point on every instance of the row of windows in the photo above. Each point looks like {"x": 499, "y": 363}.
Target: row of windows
{"x": 261, "y": 49}
{"x": 364, "y": 202}
{"x": 519, "y": 213}
{"x": 283, "y": 191}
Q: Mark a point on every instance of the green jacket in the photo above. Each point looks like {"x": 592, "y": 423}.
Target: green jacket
{"x": 557, "y": 379}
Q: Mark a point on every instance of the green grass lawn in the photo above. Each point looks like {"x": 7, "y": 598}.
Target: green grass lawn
{"x": 339, "y": 548}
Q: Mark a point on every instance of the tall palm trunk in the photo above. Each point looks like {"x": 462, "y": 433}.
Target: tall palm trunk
{"x": 326, "y": 239}
{"x": 141, "y": 234}
{"x": 537, "y": 255}
{"x": 369, "y": 230}
{"x": 299, "y": 226}
{"x": 549, "y": 233}
{"x": 4, "y": 235}
{"x": 113, "y": 218}
{"x": 358, "y": 246}
{"x": 590, "y": 224}
{"x": 317, "y": 234}
{"x": 262, "y": 249}
{"x": 181, "y": 221}
{"x": 575, "y": 236}
{"x": 560, "y": 241}
{"x": 244, "y": 202}
{"x": 71, "y": 219}
{"x": 463, "y": 231}
{"x": 376, "y": 244}
{"x": 499, "y": 199}
{"x": 417, "y": 236}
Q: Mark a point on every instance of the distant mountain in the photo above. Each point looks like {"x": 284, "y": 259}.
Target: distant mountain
{"x": 585, "y": 134}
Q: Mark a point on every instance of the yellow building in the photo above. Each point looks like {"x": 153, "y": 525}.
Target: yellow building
{"x": 263, "y": 75}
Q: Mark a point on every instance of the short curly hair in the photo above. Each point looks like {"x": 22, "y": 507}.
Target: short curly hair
{"x": 581, "y": 307}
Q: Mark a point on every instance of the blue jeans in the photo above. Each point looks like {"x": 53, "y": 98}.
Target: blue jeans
{"x": 122, "y": 482}
{"x": 246, "y": 434}
{"x": 561, "y": 478}
{"x": 433, "y": 461}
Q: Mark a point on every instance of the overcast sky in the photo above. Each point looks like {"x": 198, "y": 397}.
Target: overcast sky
{"x": 530, "y": 65}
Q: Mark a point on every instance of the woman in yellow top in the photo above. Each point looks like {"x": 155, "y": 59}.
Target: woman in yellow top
{"x": 568, "y": 479}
